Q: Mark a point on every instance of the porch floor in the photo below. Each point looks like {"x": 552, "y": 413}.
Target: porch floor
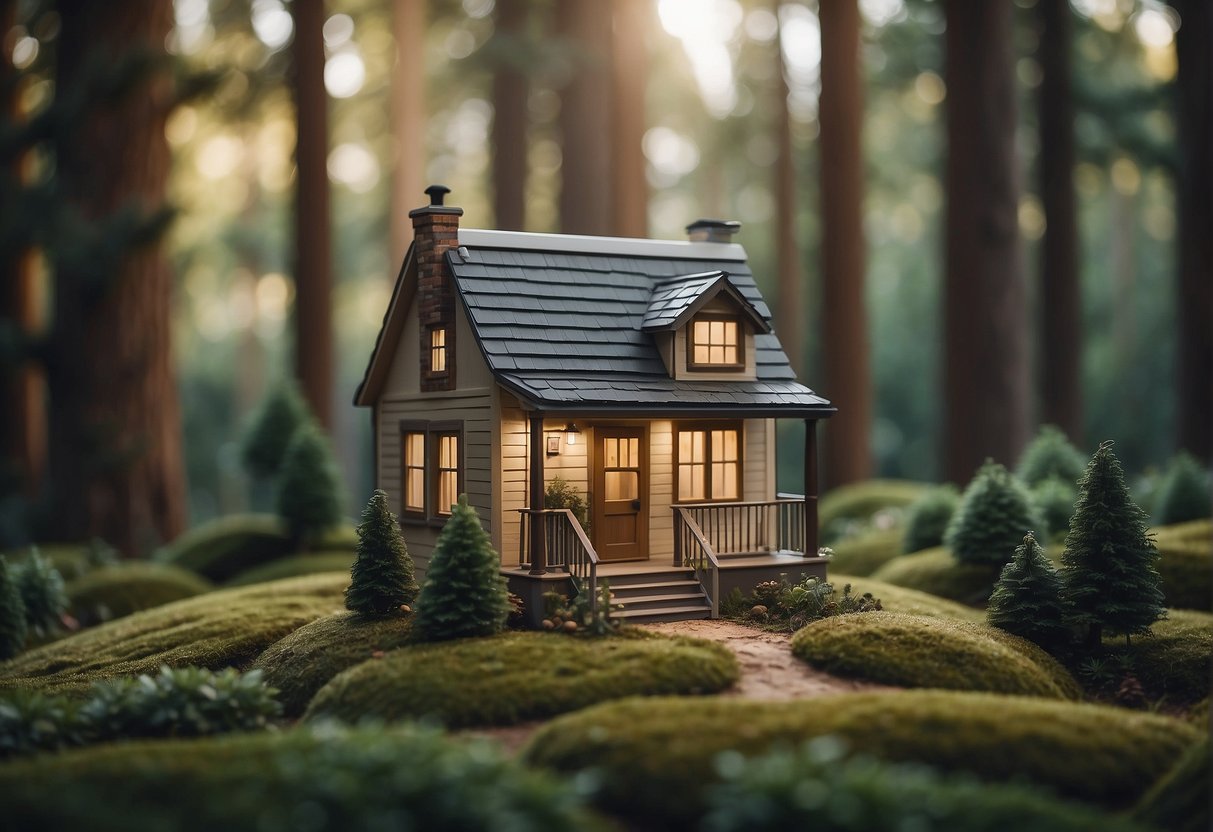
{"x": 756, "y": 560}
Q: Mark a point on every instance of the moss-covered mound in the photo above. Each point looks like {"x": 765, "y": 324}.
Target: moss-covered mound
{"x": 1186, "y": 564}
{"x": 293, "y": 566}
{"x": 919, "y": 652}
{"x": 856, "y": 503}
{"x": 223, "y": 548}
{"x": 935, "y": 571}
{"x": 864, "y": 553}
{"x": 517, "y": 677}
{"x": 1179, "y": 801}
{"x": 225, "y": 628}
{"x": 110, "y": 592}
{"x": 655, "y": 756}
{"x": 1176, "y": 660}
{"x": 304, "y": 661}
{"x": 330, "y": 780}
{"x": 909, "y": 601}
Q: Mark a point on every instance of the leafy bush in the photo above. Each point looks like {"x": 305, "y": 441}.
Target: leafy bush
{"x": 1027, "y": 599}
{"x": 110, "y": 592}
{"x": 381, "y": 579}
{"x": 1185, "y": 564}
{"x": 646, "y": 751}
{"x": 1179, "y": 801}
{"x": 914, "y": 651}
{"x": 562, "y": 494}
{"x": 935, "y": 571}
{"x": 928, "y": 517}
{"x": 863, "y": 504}
{"x": 305, "y": 660}
{"x": 464, "y": 594}
{"x": 816, "y": 786}
{"x": 309, "y": 487}
{"x": 1054, "y": 501}
{"x": 13, "y": 626}
{"x": 1049, "y": 455}
{"x": 42, "y": 595}
{"x": 1184, "y": 494}
{"x": 31, "y": 721}
{"x": 264, "y": 445}
{"x": 324, "y": 780}
{"x": 787, "y": 607}
{"x": 864, "y": 553}
{"x": 994, "y": 515}
{"x": 579, "y": 615}
{"x": 515, "y": 677}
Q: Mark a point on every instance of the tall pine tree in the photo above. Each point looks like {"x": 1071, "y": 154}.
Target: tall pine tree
{"x": 13, "y": 628}
{"x": 309, "y": 488}
{"x": 994, "y": 515}
{"x": 464, "y": 594}
{"x": 382, "y": 576}
{"x": 1027, "y": 599}
{"x": 1110, "y": 579}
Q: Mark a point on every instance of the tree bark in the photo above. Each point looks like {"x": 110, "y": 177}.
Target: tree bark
{"x": 1194, "y": 45}
{"x": 116, "y": 457}
{"x": 510, "y": 90}
{"x": 791, "y": 313}
{"x": 585, "y": 26}
{"x": 986, "y": 373}
{"x": 1061, "y": 285}
{"x": 313, "y": 240}
{"x": 407, "y": 109}
{"x": 844, "y": 326}
{"x": 630, "y": 65}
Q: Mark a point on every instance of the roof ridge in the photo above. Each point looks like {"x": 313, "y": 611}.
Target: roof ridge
{"x": 601, "y": 246}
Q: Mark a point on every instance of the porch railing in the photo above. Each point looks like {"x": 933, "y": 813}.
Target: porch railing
{"x": 694, "y": 550}
{"x": 738, "y": 529}
{"x": 567, "y": 546}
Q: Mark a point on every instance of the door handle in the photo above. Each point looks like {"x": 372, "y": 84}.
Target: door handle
{"x": 635, "y": 505}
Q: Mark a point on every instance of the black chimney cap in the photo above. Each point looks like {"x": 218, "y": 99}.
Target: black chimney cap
{"x": 437, "y": 193}
{"x": 713, "y": 231}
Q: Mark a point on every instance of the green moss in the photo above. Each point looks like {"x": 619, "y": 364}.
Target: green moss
{"x": 655, "y": 756}
{"x": 856, "y": 503}
{"x": 111, "y": 592}
{"x": 304, "y": 661}
{"x": 225, "y": 628}
{"x": 1175, "y": 660}
{"x": 225, "y": 547}
{"x": 1179, "y": 801}
{"x": 919, "y": 652}
{"x": 293, "y": 566}
{"x": 937, "y": 572}
{"x": 516, "y": 677}
{"x": 328, "y": 780}
{"x": 1186, "y": 564}
{"x": 908, "y": 601}
{"x": 863, "y": 554}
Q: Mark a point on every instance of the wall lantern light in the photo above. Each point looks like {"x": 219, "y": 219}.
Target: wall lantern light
{"x": 571, "y": 431}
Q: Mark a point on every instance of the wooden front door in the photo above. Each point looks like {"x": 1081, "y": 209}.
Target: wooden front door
{"x": 621, "y": 491}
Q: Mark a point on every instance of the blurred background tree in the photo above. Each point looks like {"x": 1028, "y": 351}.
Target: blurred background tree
{"x": 849, "y": 165}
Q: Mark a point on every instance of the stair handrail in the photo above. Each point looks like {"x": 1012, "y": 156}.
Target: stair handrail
{"x": 705, "y": 567}
{"x": 568, "y": 546}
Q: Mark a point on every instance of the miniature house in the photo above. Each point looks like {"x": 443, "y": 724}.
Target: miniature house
{"x": 643, "y": 373}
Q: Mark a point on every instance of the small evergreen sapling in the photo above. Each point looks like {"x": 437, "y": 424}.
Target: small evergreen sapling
{"x": 994, "y": 515}
{"x": 1184, "y": 494}
{"x": 1050, "y": 454}
{"x": 928, "y": 517}
{"x": 1110, "y": 579}
{"x": 268, "y": 436}
{"x": 382, "y": 575}
{"x": 464, "y": 594}
{"x": 309, "y": 489}
{"x": 1027, "y": 598}
{"x": 42, "y": 593}
{"x": 13, "y": 628}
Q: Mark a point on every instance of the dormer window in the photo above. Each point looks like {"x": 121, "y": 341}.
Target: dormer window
{"x": 438, "y": 362}
{"x": 715, "y": 343}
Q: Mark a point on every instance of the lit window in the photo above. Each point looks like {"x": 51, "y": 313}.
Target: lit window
{"x": 438, "y": 350}
{"x": 414, "y": 472}
{"x": 447, "y": 472}
{"x": 621, "y": 468}
{"x": 709, "y": 464}
{"x": 715, "y": 343}
{"x": 431, "y": 474}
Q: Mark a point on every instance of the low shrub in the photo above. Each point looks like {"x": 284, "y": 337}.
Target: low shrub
{"x": 1050, "y": 455}
{"x": 786, "y": 607}
{"x": 1186, "y": 564}
{"x": 322, "y": 780}
{"x": 32, "y": 721}
{"x": 864, "y": 553}
{"x": 935, "y": 571}
{"x": 41, "y": 588}
{"x": 844, "y": 509}
{"x": 294, "y": 566}
{"x": 928, "y": 517}
{"x": 13, "y": 626}
{"x": 580, "y": 614}
{"x": 919, "y": 652}
{"x": 654, "y": 756}
{"x": 304, "y": 661}
{"x": 818, "y": 787}
{"x": 910, "y": 601}
{"x": 227, "y": 627}
{"x": 1179, "y": 801}
{"x": 1184, "y": 492}
{"x": 516, "y": 677}
{"x": 111, "y": 592}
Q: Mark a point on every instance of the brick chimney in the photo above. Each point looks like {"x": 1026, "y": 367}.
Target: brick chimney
{"x": 712, "y": 231}
{"x": 436, "y": 229}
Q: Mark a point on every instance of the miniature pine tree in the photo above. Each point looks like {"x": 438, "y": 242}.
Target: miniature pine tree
{"x": 1054, "y": 501}
{"x": 42, "y": 594}
{"x": 12, "y": 613}
{"x": 464, "y": 593}
{"x": 1027, "y": 598}
{"x": 1109, "y": 575}
{"x": 268, "y": 436}
{"x": 309, "y": 489}
{"x": 1050, "y": 454}
{"x": 382, "y": 575}
{"x": 928, "y": 517}
{"x": 994, "y": 515}
{"x": 1184, "y": 494}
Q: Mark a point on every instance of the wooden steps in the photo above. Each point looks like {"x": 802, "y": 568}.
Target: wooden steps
{"x": 673, "y": 595}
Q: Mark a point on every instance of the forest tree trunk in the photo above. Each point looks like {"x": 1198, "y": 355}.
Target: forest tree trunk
{"x": 791, "y": 312}
{"x": 987, "y": 394}
{"x": 510, "y": 88}
{"x": 585, "y": 26}
{"x": 630, "y": 66}
{"x": 313, "y": 240}
{"x": 846, "y": 380}
{"x": 407, "y": 109}
{"x": 1060, "y": 359}
{"x": 116, "y": 462}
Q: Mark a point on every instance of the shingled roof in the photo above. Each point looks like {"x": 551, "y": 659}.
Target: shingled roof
{"x": 676, "y": 300}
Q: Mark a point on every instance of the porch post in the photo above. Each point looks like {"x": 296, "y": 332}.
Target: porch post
{"x": 810, "y": 488}
{"x": 539, "y": 564}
